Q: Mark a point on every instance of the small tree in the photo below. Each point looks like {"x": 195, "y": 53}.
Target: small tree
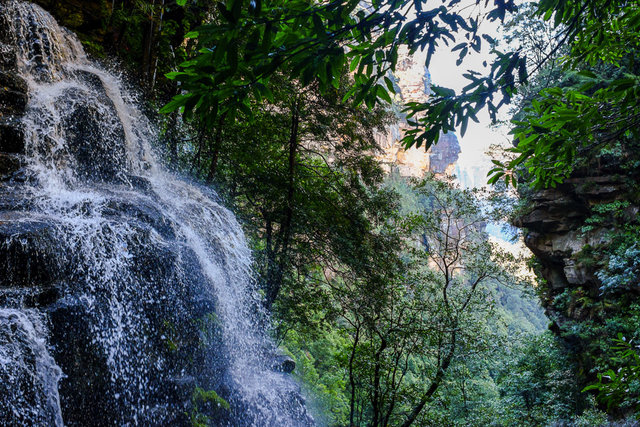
{"x": 409, "y": 325}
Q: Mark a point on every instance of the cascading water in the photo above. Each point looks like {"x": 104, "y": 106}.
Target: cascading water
{"x": 127, "y": 294}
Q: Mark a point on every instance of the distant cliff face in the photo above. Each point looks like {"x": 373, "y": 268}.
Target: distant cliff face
{"x": 413, "y": 80}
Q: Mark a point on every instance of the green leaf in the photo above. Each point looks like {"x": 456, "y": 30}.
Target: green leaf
{"x": 587, "y": 73}
{"x": 389, "y": 84}
{"x": 383, "y": 94}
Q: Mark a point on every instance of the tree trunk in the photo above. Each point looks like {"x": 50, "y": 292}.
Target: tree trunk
{"x": 275, "y": 281}
{"x": 217, "y": 144}
{"x": 147, "y": 45}
{"x": 434, "y": 384}
{"x": 352, "y": 381}
{"x": 376, "y": 404}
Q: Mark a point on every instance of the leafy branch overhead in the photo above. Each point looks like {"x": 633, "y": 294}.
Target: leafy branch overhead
{"x": 596, "y": 108}
{"x": 246, "y": 43}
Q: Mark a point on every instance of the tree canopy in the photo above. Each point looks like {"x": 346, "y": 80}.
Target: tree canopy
{"x": 246, "y": 43}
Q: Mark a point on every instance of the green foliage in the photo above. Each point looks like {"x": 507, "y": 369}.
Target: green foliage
{"x": 585, "y": 107}
{"x": 301, "y": 174}
{"x": 622, "y": 271}
{"x": 564, "y": 124}
{"x": 417, "y": 340}
{"x": 402, "y": 314}
{"x": 537, "y": 384}
{"x": 620, "y": 388}
{"x": 320, "y": 360}
{"x": 148, "y": 37}
{"x": 204, "y": 405}
{"x": 245, "y": 44}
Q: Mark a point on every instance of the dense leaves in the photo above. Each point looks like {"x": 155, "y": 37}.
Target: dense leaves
{"x": 248, "y": 42}
{"x": 567, "y": 122}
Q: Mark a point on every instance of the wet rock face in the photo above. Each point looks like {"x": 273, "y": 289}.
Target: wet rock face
{"x": 13, "y": 93}
{"x": 96, "y": 138}
{"x": 26, "y": 254}
{"x": 25, "y": 371}
{"x": 45, "y": 275}
{"x": 13, "y": 102}
{"x": 123, "y": 290}
{"x": 42, "y": 272}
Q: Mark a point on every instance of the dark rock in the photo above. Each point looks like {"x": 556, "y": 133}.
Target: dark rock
{"x": 283, "y": 363}
{"x": 30, "y": 254}
{"x": 22, "y": 356}
{"x": 85, "y": 392}
{"x": 13, "y": 94}
{"x": 139, "y": 183}
{"x": 11, "y": 135}
{"x": 145, "y": 214}
{"x": 13, "y": 102}
{"x": 13, "y": 82}
{"x": 9, "y": 165}
{"x": 95, "y": 137}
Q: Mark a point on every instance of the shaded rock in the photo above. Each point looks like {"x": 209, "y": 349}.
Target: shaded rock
{"x": 30, "y": 254}
{"x": 98, "y": 149}
{"x": 13, "y": 93}
{"x": 12, "y": 198}
{"x": 85, "y": 389}
{"x": 11, "y": 135}
{"x": 13, "y": 102}
{"x": 9, "y": 165}
{"x": 28, "y": 375}
{"x": 283, "y": 363}
{"x": 145, "y": 214}
{"x": 571, "y": 250}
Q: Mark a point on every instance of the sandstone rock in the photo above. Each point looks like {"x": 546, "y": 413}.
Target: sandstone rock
{"x": 576, "y": 273}
{"x": 414, "y": 81}
{"x": 566, "y": 247}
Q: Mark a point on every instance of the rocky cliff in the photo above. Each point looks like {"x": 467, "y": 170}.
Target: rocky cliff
{"x": 413, "y": 81}
{"x": 583, "y": 233}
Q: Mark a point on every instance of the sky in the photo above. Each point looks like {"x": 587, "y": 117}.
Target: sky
{"x": 479, "y": 136}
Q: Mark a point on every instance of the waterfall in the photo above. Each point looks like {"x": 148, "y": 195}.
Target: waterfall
{"x": 127, "y": 290}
